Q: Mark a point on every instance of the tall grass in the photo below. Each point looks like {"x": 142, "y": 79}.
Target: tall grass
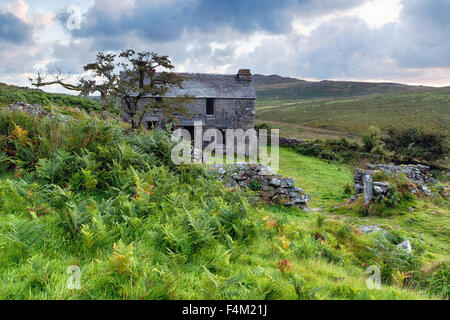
{"x": 85, "y": 193}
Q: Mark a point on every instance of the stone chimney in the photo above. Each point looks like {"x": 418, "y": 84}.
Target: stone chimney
{"x": 244, "y": 74}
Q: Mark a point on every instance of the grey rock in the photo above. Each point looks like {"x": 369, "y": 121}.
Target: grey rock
{"x": 287, "y": 182}
{"x": 266, "y": 171}
{"x": 405, "y": 245}
{"x": 427, "y": 191}
{"x": 368, "y": 191}
{"x": 239, "y": 176}
{"x": 303, "y": 198}
{"x": 275, "y": 182}
{"x": 369, "y": 229}
{"x": 377, "y": 190}
{"x": 359, "y": 188}
{"x": 243, "y": 183}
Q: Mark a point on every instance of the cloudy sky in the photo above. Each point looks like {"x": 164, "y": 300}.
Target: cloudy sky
{"x": 371, "y": 40}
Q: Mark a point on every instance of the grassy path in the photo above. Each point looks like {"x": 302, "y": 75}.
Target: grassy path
{"x": 429, "y": 223}
{"x": 322, "y": 180}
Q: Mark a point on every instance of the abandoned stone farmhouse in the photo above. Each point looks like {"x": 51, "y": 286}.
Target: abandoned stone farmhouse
{"x": 221, "y": 101}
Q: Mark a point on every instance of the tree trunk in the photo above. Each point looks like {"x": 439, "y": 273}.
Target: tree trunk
{"x": 134, "y": 124}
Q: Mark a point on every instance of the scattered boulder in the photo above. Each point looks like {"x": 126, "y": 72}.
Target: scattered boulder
{"x": 405, "y": 245}
{"x": 371, "y": 228}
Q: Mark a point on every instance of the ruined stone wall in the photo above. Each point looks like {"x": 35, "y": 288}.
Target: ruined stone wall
{"x": 290, "y": 142}
{"x": 418, "y": 174}
{"x": 273, "y": 188}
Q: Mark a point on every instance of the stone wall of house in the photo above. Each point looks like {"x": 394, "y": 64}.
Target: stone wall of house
{"x": 418, "y": 174}
{"x": 228, "y": 113}
{"x": 273, "y": 188}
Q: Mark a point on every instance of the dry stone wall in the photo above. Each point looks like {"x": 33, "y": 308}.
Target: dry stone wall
{"x": 290, "y": 142}
{"x": 273, "y": 188}
{"x": 419, "y": 174}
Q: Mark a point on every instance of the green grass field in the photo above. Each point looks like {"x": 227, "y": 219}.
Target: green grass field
{"x": 81, "y": 192}
{"x": 164, "y": 260}
{"x": 350, "y": 117}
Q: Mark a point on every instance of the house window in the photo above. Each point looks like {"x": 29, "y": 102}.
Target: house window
{"x": 158, "y": 99}
{"x": 209, "y": 107}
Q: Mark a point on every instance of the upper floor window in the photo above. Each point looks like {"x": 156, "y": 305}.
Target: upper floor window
{"x": 209, "y": 107}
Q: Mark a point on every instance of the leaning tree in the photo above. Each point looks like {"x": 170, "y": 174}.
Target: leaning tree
{"x": 131, "y": 78}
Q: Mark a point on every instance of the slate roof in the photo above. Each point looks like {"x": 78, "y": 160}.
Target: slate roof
{"x": 207, "y": 85}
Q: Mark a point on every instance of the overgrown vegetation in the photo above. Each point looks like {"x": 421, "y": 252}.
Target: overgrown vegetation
{"x": 84, "y": 192}
{"x": 342, "y": 150}
{"x": 398, "y": 146}
{"x": 11, "y": 94}
{"x": 413, "y": 144}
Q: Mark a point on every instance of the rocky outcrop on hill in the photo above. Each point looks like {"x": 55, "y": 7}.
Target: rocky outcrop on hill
{"x": 273, "y": 188}
{"x": 33, "y": 109}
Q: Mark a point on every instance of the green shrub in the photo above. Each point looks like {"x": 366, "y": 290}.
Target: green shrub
{"x": 263, "y": 126}
{"x": 255, "y": 186}
{"x": 413, "y": 144}
{"x": 393, "y": 261}
{"x": 349, "y": 188}
{"x": 342, "y": 151}
{"x": 371, "y": 139}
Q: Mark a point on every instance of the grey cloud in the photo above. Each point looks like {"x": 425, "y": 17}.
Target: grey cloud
{"x": 343, "y": 47}
{"x": 168, "y": 21}
{"x": 18, "y": 59}
{"x": 422, "y": 35}
{"x": 14, "y": 30}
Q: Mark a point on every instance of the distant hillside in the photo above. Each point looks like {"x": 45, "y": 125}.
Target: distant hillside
{"x": 275, "y": 87}
{"x": 350, "y": 117}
